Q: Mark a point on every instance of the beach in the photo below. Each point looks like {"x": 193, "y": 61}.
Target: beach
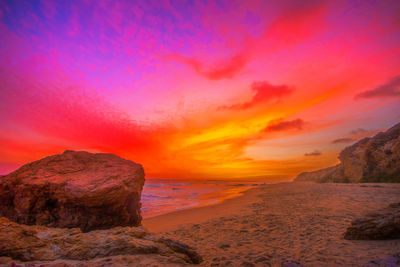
{"x": 274, "y": 223}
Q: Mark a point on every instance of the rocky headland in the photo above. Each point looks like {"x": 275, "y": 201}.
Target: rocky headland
{"x": 372, "y": 159}
{"x": 80, "y": 209}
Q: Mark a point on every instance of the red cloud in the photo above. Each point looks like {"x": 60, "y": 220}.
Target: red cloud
{"x": 280, "y": 125}
{"x": 296, "y": 21}
{"x": 57, "y": 110}
{"x": 226, "y": 69}
{"x": 389, "y": 89}
{"x": 263, "y": 93}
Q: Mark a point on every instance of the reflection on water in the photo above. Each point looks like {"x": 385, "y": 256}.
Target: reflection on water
{"x": 161, "y": 196}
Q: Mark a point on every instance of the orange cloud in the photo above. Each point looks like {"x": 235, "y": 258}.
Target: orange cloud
{"x": 313, "y": 154}
{"x": 285, "y": 125}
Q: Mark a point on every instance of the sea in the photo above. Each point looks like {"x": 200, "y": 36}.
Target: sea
{"x": 161, "y": 196}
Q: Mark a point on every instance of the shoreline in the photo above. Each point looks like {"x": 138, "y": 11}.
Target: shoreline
{"x": 172, "y": 220}
{"x": 162, "y": 197}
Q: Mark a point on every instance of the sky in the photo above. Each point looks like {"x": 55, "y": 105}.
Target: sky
{"x": 197, "y": 89}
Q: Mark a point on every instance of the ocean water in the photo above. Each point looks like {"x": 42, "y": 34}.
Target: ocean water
{"x": 162, "y": 196}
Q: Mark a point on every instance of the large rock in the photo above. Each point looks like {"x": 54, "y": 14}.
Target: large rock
{"x": 74, "y": 189}
{"x": 71, "y": 247}
{"x": 383, "y": 224}
{"x": 372, "y": 159}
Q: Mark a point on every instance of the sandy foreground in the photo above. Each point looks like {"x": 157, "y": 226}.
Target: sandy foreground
{"x": 274, "y": 223}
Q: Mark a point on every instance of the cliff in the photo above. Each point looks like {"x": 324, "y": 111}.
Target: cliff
{"x": 372, "y": 159}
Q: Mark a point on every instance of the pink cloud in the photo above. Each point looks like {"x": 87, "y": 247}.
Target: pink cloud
{"x": 228, "y": 68}
{"x": 264, "y": 92}
{"x": 294, "y": 24}
{"x": 57, "y": 106}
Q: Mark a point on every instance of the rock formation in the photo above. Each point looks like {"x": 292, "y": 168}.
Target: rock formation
{"x": 74, "y": 189}
{"x": 119, "y": 246}
{"x": 391, "y": 261}
{"x": 331, "y": 174}
{"x": 292, "y": 264}
{"x": 383, "y": 224}
{"x": 372, "y": 159}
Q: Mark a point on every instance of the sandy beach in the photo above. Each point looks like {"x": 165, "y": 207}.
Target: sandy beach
{"x": 271, "y": 224}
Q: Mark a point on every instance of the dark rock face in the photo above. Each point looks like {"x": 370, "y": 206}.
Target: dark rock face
{"x": 184, "y": 249}
{"x": 372, "y": 159}
{"x": 384, "y": 224}
{"x": 74, "y": 189}
{"x": 44, "y": 245}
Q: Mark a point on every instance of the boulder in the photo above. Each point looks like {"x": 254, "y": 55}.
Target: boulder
{"x": 372, "y": 159}
{"x": 74, "y": 189}
{"x": 40, "y": 245}
{"x": 383, "y": 224}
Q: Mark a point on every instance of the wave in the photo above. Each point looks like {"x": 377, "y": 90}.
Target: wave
{"x": 163, "y": 196}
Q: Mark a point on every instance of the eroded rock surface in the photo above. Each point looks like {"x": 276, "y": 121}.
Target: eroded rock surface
{"x": 74, "y": 189}
{"x": 119, "y": 246}
{"x": 383, "y": 224}
{"x": 331, "y": 174}
{"x": 372, "y": 159}
{"x": 391, "y": 261}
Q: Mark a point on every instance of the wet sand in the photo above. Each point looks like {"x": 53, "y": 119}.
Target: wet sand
{"x": 275, "y": 223}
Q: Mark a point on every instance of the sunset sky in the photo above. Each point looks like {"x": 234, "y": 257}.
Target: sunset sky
{"x": 197, "y": 89}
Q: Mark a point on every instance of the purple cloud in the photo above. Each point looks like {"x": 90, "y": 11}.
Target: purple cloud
{"x": 389, "y": 89}
{"x": 342, "y": 140}
{"x": 358, "y": 131}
